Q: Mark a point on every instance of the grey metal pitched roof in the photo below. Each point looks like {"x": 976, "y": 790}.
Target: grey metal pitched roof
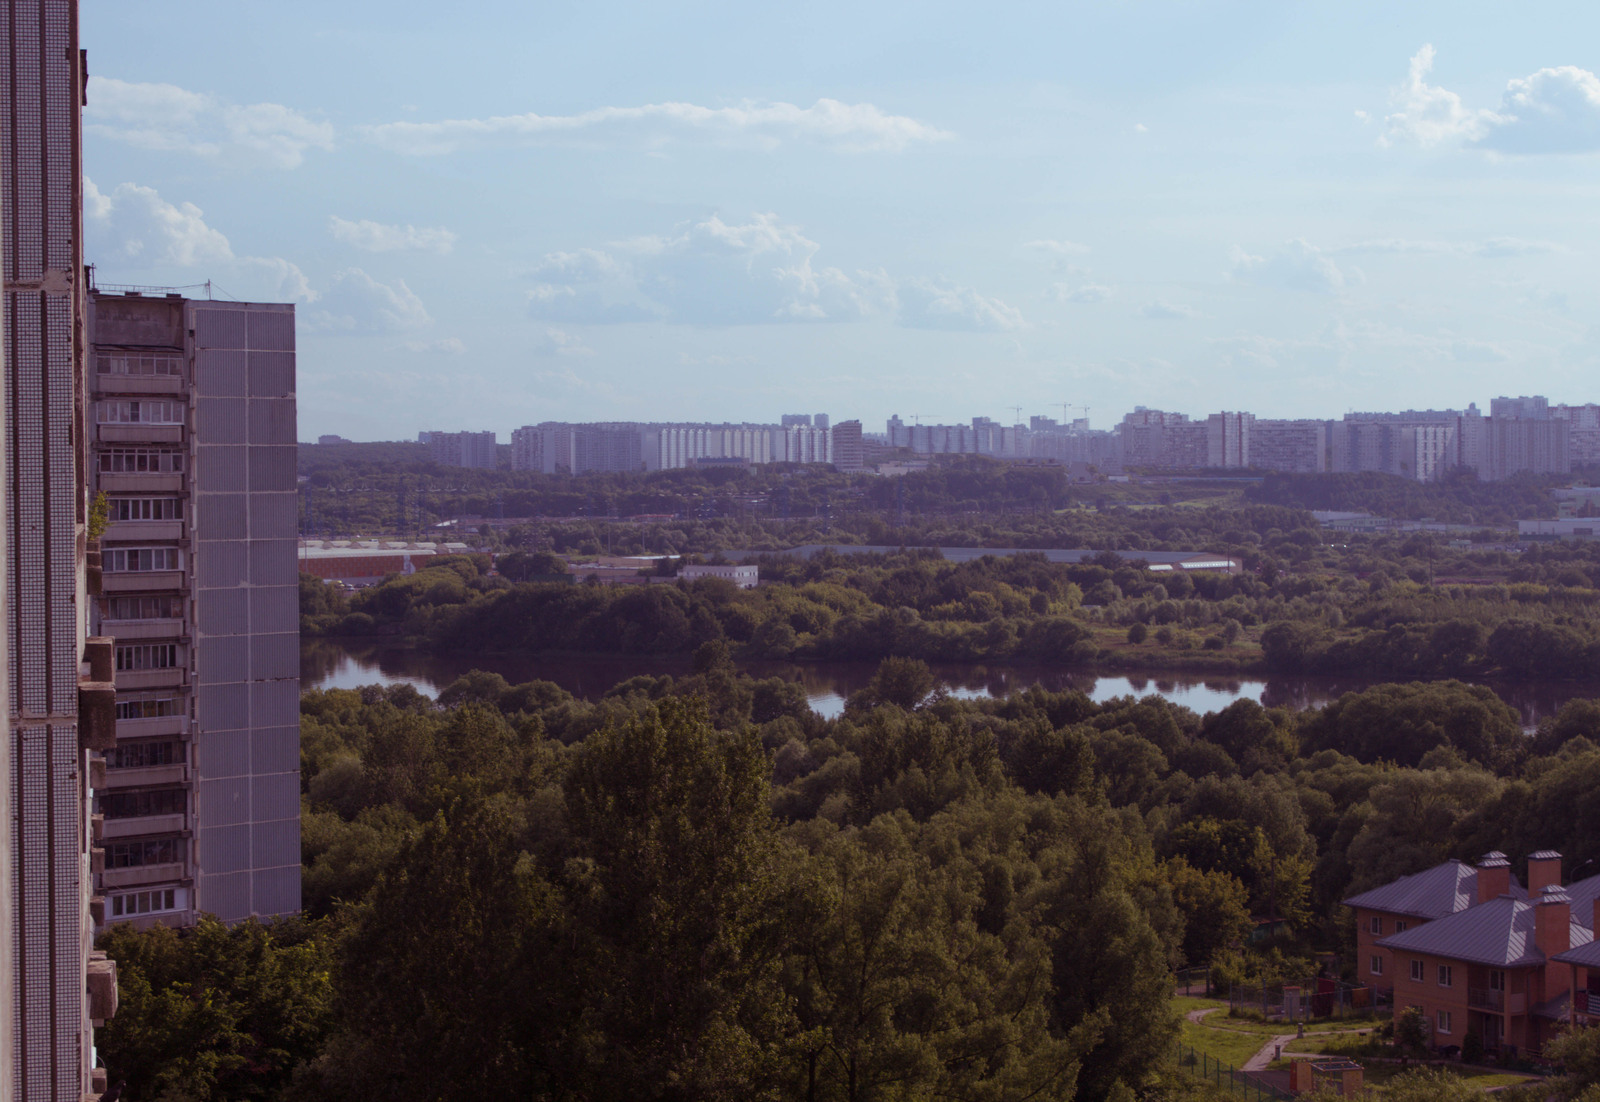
{"x": 1499, "y": 933}
{"x": 1584, "y": 893}
{"x": 1434, "y": 893}
{"x": 1586, "y": 955}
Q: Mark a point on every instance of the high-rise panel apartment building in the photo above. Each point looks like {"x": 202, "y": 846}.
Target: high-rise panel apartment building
{"x": 463, "y": 449}
{"x": 48, "y": 1008}
{"x": 194, "y": 448}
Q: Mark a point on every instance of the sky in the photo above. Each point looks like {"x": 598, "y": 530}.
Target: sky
{"x": 491, "y": 215}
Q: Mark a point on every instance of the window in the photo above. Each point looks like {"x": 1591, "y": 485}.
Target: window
{"x": 1444, "y": 975}
{"x": 142, "y": 755}
{"x": 134, "y": 560}
{"x": 141, "y": 461}
{"x": 1444, "y": 1021}
{"x": 146, "y": 508}
{"x": 1401, "y": 926}
{"x": 147, "y": 656}
{"x": 129, "y": 363}
{"x": 141, "y": 412}
{"x": 1497, "y": 980}
{"x": 1416, "y": 970}
{"x": 1375, "y": 924}
{"x": 149, "y": 851}
{"x": 1377, "y": 966}
{"x": 138, "y": 805}
{"x": 142, "y": 903}
{"x": 144, "y": 608}
{"x": 154, "y": 707}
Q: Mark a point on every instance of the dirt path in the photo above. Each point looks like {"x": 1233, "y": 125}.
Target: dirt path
{"x": 1268, "y": 1053}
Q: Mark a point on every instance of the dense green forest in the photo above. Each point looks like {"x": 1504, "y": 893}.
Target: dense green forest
{"x": 1387, "y": 606}
{"x": 697, "y": 888}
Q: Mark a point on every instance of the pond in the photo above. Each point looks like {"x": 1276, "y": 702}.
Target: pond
{"x": 332, "y": 664}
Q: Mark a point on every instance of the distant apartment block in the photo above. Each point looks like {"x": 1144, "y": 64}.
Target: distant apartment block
{"x": 462, "y": 449}
{"x": 555, "y": 446}
{"x": 849, "y": 450}
{"x": 327, "y": 439}
{"x": 193, "y": 445}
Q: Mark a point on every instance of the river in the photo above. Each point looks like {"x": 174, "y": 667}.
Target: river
{"x": 332, "y": 664}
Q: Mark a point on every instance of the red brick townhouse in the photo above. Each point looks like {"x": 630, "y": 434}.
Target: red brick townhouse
{"x": 1584, "y": 977}
{"x": 1495, "y": 967}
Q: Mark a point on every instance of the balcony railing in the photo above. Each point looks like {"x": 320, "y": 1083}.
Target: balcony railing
{"x": 1486, "y": 998}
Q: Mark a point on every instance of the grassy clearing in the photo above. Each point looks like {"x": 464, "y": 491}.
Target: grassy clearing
{"x": 1220, "y": 1044}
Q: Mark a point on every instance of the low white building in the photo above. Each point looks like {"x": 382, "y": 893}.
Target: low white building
{"x": 745, "y": 577}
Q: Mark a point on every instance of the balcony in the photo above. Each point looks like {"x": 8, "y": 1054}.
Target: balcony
{"x": 152, "y": 727}
{"x": 143, "y": 531}
{"x": 123, "y": 630}
{"x": 140, "y": 826}
{"x": 147, "y": 775}
{"x": 172, "y": 678}
{"x": 141, "y": 875}
{"x": 106, "y": 384}
{"x": 144, "y": 581}
{"x": 140, "y": 434}
{"x": 139, "y": 482}
{"x": 1495, "y": 1001}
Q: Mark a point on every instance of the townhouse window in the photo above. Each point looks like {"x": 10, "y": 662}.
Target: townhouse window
{"x": 143, "y": 804}
{"x": 129, "y": 363}
{"x": 139, "y": 560}
{"x": 1497, "y": 980}
{"x": 1377, "y": 966}
{"x": 1445, "y": 975}
{"x": 149, "y": 707}
{"x": 1401, "y": 926}
{"x": 147, "y": 656}
{"x": 1444, "y": 1021}
{"x": 144, "y": 411}
{"x": 142, "y": 852}
{"x": 140, "y": 461}
{"x": 144, "y": 608}
{"x": 1375, "y": 924}
{"x": 143, "y": 755}
{"x": 130, "y": 904}
{"x": 146, "y": 508}
{"x": 1416, "y": 970}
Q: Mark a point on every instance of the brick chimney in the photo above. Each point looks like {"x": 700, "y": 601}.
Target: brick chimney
{"x": 1494, "y": 876}
{"x": 1544, "y": 869}
{"x": 1552, "y": 921}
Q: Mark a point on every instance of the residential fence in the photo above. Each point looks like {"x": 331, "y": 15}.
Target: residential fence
{"x": 1249, "y": 1087}
{"x": 1306, "y": 1000}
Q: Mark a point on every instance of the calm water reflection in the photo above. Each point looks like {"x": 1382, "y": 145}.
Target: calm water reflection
{"x": 327, "y": 664}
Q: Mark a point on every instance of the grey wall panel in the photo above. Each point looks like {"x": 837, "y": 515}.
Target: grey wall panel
{"x": 224, "y": 708}
{"x": 224, "y": 658}
{"x": 274, "y": 515}
{"x": 223, "y": 612}
{"x": 275, "y": 750}
{"x": 272, "y": 329}
{"x": 274, "y": 796}
{"x": 223, "y": 754}
{"x": 224, "y": 849}
{"x": 221, "y": 374}
{"x": 226, "y": 895}
{"x": 222, "y": 516}
{"x": 272, "y": 467}
{"x": 275, "y": 703}
{"x": 225, "y": 802}
{"x": 272, "y": 421}
{"x": 222, "y": 563}
{"x": 276, "y": 891}
{"x": 222, "y": 420}
{"x": 274, "y": 562}
{"x": 271, "y": 374}
{"x": 275, "y": 656}
{"x": 222, "y": 469}
{"x": 276, "y": 843}
{"x": 219, "y": 327}
{"x": 276, "y": 608}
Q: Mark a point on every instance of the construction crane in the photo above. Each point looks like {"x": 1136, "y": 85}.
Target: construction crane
{"x": 1018, "y": 411}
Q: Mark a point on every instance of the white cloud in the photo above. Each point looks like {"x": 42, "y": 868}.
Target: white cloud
{"x": 357, "y": 303}
{"x": 1058, "y": 250}
{"x": 926, "y": 305}
{"x": 377, "y": 237}
{"x": 859, "y": 126}
{"x": 1297, "y": 266}
{"x": 1162, "y": 310}
{"x": 1084, "y": 293}
{"x": 444, "y": 346}
{"x": 169, "y": 119}
{"x": 1490, "y": 249}
{"x": 709, "y": 273}
{"x": 1140, "y": 128}
{"x": 558, "y": 342}
{"x": 1553, "y": 110}
{"x": 134, "y": 230}
{"x": 1469, "y": 351}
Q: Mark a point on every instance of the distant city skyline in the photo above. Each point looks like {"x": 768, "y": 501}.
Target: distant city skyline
{"x": 625, "y": 213}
